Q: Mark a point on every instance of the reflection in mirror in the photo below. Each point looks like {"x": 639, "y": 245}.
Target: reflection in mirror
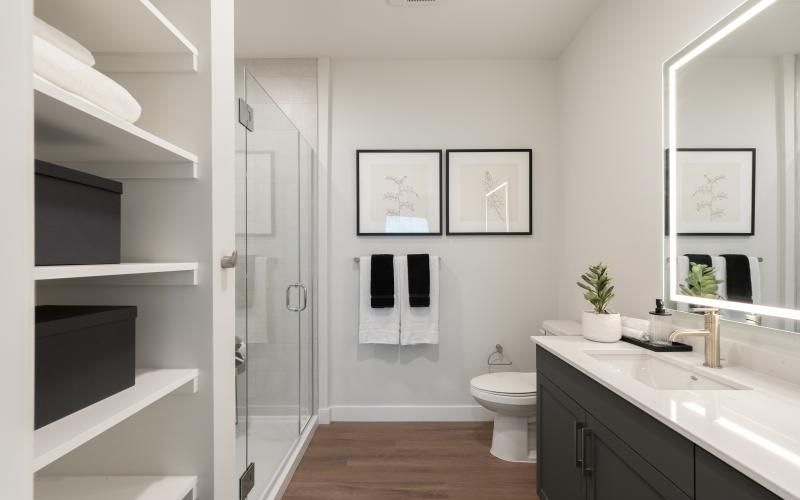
{"x": 731, "y": 168}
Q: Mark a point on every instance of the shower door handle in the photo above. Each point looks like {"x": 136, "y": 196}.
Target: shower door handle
{"x": 289, "y": 305}
{"x": 304, "y": 291}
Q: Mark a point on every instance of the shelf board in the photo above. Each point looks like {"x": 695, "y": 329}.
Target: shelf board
{"x": 187, "y": 272}
{"x": 55, "y": 440}
{"x": 116, "y": 487}
{"x": 74, "y": 132}
{"x": 123, "y": 35}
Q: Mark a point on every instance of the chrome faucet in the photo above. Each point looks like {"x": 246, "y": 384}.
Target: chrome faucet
{"x": 710, "y": 332}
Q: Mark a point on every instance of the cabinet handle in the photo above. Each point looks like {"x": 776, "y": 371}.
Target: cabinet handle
{"x": 578, "y": 444}
{"x": 588, "y": 466}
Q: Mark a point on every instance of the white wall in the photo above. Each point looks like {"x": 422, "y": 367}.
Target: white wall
{"x": 494, "y": 289}
{"x": 611, "y": 190}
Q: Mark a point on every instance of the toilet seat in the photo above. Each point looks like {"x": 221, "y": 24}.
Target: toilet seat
{"x": 506, "y": 384}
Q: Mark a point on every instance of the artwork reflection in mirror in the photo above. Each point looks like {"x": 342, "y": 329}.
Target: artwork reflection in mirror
{"x": 735, "y": 107}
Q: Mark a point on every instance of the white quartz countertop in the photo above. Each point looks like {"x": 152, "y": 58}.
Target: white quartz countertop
{"x": 755, "y": 430}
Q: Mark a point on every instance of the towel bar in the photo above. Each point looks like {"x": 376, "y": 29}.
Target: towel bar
{"x": 760, "y": 259}
{"x": 358, "y": 259}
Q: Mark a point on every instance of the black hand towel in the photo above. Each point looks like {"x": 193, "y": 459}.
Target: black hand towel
{"x": 699, "y": 259}
{"x": 381, "y": 281}
{"x": 738, "y": 279}
{"x": 419, "y": 280}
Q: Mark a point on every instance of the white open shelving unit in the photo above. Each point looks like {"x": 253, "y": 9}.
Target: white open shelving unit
{"x": 116, "y": 487}
{"x": 141, "y": 47}
{"x": 174, "y": 273}
{"x": 74, "y": 132}
{"x": 124, "y": 35}
{"x": 55, "y": 440}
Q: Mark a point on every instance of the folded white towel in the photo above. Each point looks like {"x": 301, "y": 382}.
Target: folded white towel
{"x": 62, "y": 41}
{"x": 377, "y": 325}
{"x": 634, "y": 333}
{"x": 63, "y": 70}
{"x": 418, "y": 325}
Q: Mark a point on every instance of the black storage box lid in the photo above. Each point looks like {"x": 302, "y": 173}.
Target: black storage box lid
{"x": 70, "y": 175}
{"x": 53, "y": 320}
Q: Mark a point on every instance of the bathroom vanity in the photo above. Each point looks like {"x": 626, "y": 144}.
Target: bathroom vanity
{"x": 618, "y": 422}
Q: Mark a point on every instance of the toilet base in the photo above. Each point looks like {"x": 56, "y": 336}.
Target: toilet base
{"x": 514, "y": 439}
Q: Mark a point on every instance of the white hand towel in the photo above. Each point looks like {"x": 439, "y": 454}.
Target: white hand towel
{"x": 755, "y": 278}
{"x": 68, "y": 73}
{"x": 62, "y": 41}
{"x": 377, "y": 325}
{"x": 418, "y": 325}
{"x": 721, "y": 272}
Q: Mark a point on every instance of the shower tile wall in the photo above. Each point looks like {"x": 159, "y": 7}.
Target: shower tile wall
{"x": 292, "y": 83}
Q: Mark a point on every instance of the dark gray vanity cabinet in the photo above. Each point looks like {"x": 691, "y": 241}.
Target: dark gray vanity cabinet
{"x": 594, "y": 445}
{"x": 717, "y": 480}
{"x": 561, "y": 476}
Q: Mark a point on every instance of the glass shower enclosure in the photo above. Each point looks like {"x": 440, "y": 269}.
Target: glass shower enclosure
{"x": 275, "y": 341}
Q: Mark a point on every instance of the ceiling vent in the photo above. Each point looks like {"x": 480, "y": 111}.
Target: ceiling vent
{"x": 412, "y": 3}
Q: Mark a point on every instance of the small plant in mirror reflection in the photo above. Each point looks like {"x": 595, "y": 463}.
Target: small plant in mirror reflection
{"x": 597, "y": 287}
{"x": 708, "y": 196}
{"x": 402, "y": 197}
{"x": 701, "y": 282}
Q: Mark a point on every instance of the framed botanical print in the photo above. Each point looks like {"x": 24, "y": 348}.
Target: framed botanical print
{"x": 489, "y": 191}
{"x": 715, "y": 192}
{"x": 398, "y": 192}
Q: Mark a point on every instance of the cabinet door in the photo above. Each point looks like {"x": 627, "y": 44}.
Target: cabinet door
{"x": 717, "y": 480}
{"x": 559, "y": 423}
{"x": 615, "y": 472}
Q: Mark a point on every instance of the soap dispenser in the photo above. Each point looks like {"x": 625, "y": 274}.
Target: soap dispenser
{"x": 660, "y": 324}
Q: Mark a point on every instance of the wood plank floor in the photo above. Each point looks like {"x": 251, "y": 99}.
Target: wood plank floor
{"x": 388, "y": 461}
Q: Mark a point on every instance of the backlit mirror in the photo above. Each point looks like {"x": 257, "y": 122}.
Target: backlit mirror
{"x": 731, "y": 182}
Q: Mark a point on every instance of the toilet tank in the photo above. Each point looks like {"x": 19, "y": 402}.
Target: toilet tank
{"x": 560, "y": 327}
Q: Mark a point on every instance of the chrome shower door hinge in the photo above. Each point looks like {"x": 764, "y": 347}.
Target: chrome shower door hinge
{"x": 247, "y": 481}
{"x": 246, "y": 115}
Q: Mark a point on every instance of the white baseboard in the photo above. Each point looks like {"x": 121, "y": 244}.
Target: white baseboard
{"x": 463, "y": 413}
{"x": 324, "y": 416}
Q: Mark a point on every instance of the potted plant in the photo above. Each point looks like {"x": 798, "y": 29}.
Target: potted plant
{"x": 702, "y": 282}
{"x": 599, "y": 324}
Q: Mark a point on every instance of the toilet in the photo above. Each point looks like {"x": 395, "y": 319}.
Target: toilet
{"x": 512, "y": 398}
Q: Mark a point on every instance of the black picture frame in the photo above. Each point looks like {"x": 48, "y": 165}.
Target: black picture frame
{"x": 359, "y": 152}
{"x": 753, "y": 155}
{"x": 529, "y": 231}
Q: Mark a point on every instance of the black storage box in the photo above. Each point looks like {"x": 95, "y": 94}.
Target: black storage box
{"x": 83, "y": 354}
{"x": 77, "y": 217}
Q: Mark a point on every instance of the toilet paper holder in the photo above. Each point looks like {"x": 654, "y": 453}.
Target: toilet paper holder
{"x": 497, "y": 358}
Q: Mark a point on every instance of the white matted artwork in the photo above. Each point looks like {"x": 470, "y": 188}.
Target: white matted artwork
{"x": 398, "y": 192}
{"x": 715, "y": 191}
{"x": 258, "y": 185}
{"x": 489, "y": 191}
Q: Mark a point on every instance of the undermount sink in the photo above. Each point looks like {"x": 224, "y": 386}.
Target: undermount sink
{"x": 660, "y": 374}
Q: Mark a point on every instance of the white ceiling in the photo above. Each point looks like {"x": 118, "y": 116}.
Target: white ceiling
{"x": 374, "y": 29}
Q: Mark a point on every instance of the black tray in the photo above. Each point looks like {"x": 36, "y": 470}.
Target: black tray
{"x": 675, "y": 347}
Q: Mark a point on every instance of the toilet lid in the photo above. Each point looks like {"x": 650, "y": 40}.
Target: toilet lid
{"x": 517, "y": 383}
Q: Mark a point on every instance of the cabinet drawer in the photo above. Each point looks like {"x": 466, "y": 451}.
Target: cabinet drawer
{"x": 668, "y": 452}
{"x": 717, "y": 480}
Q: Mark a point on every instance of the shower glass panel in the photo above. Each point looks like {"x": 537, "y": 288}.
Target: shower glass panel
{"x": 274, "y": 322}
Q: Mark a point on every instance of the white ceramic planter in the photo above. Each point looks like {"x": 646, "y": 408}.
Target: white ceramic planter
{"x": 601, "y": 327}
